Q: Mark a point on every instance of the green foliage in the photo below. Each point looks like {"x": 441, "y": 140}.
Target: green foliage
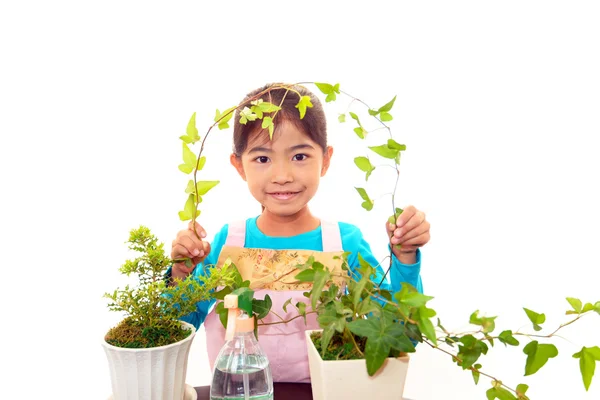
{"x": 154, "y": 307}
{"x": 537, "y": 356}
{"x": 367, "y": 204}
{"x": 366, "y": 321}
{"x": 587, "y": 363}
{"x": 535, "y": 318}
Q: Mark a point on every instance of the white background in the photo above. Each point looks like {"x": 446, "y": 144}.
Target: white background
{"x": 497, "y": 103}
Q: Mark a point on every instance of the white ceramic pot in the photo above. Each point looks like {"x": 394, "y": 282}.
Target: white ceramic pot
{"x": 156, "y": 373}
{"x": 348, "y": 379}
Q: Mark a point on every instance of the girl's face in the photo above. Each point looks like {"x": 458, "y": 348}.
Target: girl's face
{"x": 283, "y": 173}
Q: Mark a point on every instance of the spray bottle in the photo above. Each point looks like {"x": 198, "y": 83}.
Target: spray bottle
{"x": 241, "y": 370}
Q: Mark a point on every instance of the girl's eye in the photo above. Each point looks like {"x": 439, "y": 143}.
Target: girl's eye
{"x": 300, "y": 157}
{"x": 262, "y": 159}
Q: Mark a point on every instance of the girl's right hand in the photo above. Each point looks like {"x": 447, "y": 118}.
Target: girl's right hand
{"x": 188, "y": 245}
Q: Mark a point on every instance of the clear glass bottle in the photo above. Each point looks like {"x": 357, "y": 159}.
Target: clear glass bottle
{"x": 241, "y": 370}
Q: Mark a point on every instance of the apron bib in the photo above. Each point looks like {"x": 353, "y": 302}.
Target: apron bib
{"x": 272, "y": 272}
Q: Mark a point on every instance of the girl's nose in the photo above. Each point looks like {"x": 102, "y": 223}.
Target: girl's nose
{"x": 282, "y": 173}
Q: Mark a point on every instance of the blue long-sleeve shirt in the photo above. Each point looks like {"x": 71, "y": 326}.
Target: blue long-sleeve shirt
{"x": 352, "y": 241}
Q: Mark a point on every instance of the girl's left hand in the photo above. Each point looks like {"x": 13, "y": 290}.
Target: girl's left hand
{"x": 410, "y": 232}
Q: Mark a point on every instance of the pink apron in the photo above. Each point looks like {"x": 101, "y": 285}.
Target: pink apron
{"x": 272, "y": 272}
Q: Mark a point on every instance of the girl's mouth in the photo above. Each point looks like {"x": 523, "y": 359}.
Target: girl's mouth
{"x": 283, "y": 195}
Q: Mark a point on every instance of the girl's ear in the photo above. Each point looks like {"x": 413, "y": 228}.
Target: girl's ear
{"x": 237, "y": 164}
{"x": 326, "y": 160}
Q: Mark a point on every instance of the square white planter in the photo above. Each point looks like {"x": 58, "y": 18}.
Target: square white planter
{"x": 348, "y": 379}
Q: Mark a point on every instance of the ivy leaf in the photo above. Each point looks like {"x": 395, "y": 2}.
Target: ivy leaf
{"x": 326, "y": 337}
{"x": 587, "y": 307}
{"x": 188, "y": 209}
{"x": 367, "y": 204}
{"x": 470, "y": 350}
{"x": 245, "y": 296}
{"x": 365, "y": 327}
{"x": 521, "y": 390}
{"x": 191, "y": 133}
{"x": 415, "y": 299}
{"x": 576, "y": 304}
{"x": 422, "y": 315}
{"x": 328, "y": 90}
{"x": 220, "y": 295}
{"x": 388, "y": 106}
{"x": 538, "y": 355}
{"x": 475, "y": 373}
{"x": 267, "y": 122}
{"x": 499, "y": 393}
{"x": 222, "y": 311}
{"x": 392, "y": 144}
{"x": 342, "y": 118}
{"x": 384, "y": 151}
{"x": 223, "y": 119}
{"x": 587, "y": 363}
{"x": 395, "y": 336}
{"x": 360, "y": 131}
{"x": 535, "y": 318}
{"x": 265, "y": 106}
{"x": 246, "y": 115}
{"x": 190, "y": 187}
{"x": 288, "y": 302}
{"x": 202, "y": 187}
{"x": 376, "y": 351}
{"x": 358, "y": 289}
{"x": 200, "y": 163}
{"x": 191, "y": 130}
{"x": 308, "y": 275}
{"x": 325, "y": 88}
{"x": 507, "y": 337}
{"x": 385, "y": 117}
{"x": 303, "y": 104}
{"x": 365, "y": 165}
{"x": 262, "y": 307}
{"x": 321, "y": 277}
{"x": 487, "y": 323}
{"x": 367, "y": 306}
{"x": 189, "y": 160}
{"x": 301, "y": 309}
{"x": 330, "y": 317}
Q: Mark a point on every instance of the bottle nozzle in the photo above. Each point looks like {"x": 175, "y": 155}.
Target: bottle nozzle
{"x": 231, "y": 302}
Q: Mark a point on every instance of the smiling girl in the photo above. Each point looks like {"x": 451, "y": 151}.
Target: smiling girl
{"x": 283, "y": 175}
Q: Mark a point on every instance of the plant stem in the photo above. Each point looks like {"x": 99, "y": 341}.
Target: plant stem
{"x": 351, "y": 336}
{"x": 289, "y": 320}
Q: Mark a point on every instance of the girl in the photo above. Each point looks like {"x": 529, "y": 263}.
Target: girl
{"x": 283, "y": 175}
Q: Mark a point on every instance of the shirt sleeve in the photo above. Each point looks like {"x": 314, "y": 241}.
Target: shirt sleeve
{"x": 197, "y": 317}
{"x": 354, "y": 242}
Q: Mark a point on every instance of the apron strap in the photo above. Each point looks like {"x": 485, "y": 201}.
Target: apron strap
{"x": 331, "y": 236}
{"x": 236, "y": 234}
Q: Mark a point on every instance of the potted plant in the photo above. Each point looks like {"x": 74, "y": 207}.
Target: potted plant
{"x": 366, "y": 329}
{"x": 148, "y": 350}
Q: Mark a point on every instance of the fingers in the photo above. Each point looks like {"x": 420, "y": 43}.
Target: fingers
{"x": 187, "y": 245}
{"x": 199, "y": 228}
{"x": 408, "y": 213}
{"x": 413, "y": 244}
{"x": 410, "y": 231}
